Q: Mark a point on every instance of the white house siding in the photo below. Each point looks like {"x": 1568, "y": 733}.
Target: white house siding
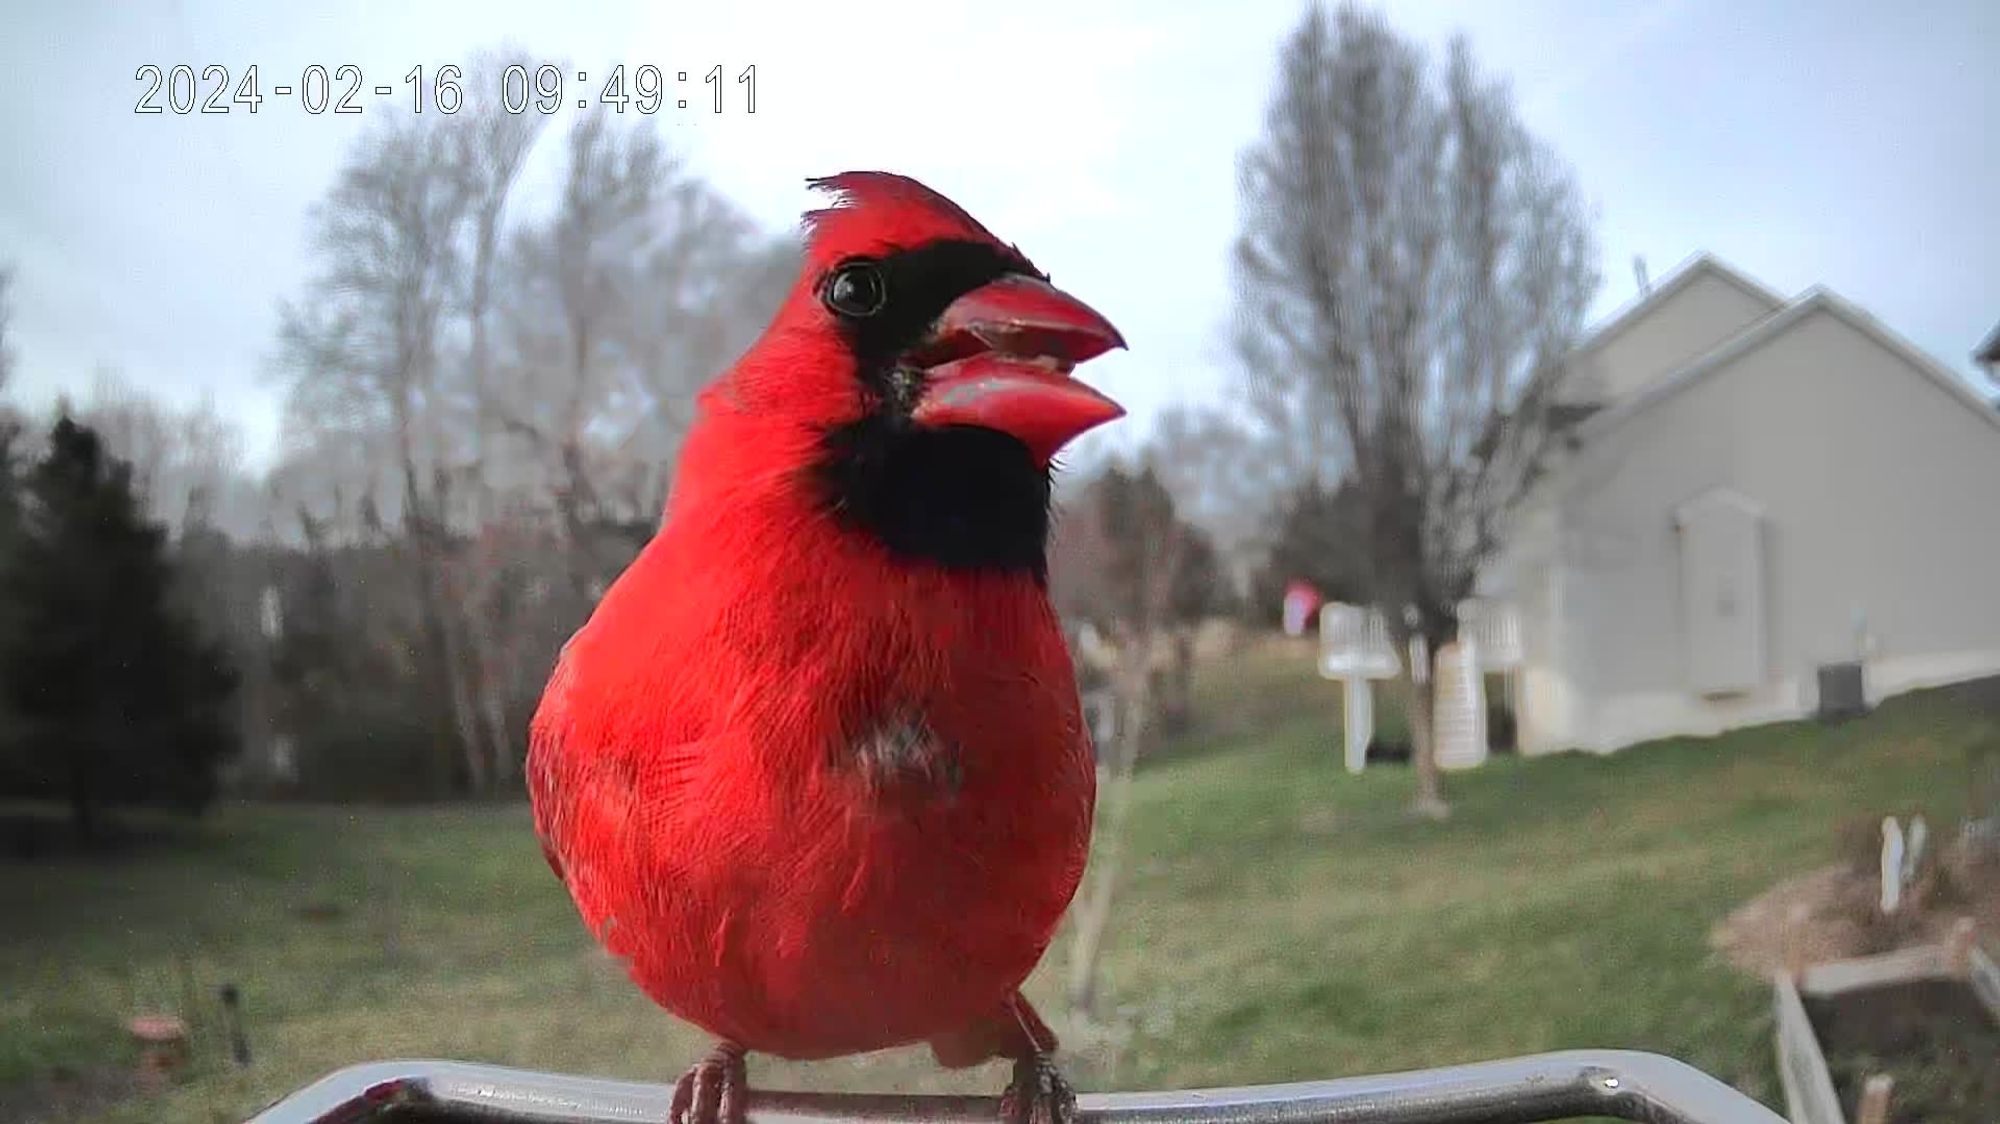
{"x": 1546, "y": 697}
{"x": 1705, "y": 307}
{"x": 1877, "y": 489}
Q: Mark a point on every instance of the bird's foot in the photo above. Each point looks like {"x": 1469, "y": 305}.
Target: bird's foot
{"x": 1038, "y": 1094}
{"x": 714, "y": 1090}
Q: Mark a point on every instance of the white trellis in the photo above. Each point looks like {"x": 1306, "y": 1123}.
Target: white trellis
{"x": 1355, "y": 648}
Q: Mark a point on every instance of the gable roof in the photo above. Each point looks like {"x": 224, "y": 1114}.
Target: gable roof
{"x": 1816, "y": 299}
{"x": 1680, "y": 277}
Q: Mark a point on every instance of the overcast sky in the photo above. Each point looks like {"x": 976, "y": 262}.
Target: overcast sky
{"x": 1840, "y": 143}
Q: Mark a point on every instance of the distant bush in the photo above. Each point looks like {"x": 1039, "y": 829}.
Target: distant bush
{"x": 379, "y": 751}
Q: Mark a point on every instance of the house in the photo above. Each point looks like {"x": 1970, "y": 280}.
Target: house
{"x": 1763, "y": 505}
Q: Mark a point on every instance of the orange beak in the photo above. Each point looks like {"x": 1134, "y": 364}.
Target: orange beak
{"x": 1000, "y": 358}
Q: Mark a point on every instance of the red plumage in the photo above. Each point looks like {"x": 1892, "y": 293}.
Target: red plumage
{"x": 822, "y": 796}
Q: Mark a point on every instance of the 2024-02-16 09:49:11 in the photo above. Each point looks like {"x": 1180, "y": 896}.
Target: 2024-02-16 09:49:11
{"x": 318, "y": 90}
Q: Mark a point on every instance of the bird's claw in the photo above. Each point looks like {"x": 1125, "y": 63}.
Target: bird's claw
{"x": 1038, "y": 1094}
{"x": 713, "y": 1090}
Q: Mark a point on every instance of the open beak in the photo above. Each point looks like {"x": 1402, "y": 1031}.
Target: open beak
{"x": 1000, "y": 358}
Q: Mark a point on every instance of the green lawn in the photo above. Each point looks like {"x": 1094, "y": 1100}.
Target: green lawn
{"x": 1282, "y": 920}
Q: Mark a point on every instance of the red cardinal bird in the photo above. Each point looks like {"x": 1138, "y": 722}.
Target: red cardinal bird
{"x": 815, "y": 767}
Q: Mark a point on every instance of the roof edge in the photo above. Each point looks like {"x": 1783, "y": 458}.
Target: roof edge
{"x": 1816, "y": 299}
{"x": 1680, "y": 277}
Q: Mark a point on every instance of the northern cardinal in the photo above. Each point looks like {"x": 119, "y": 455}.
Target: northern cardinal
{"x": 815, "y": 767}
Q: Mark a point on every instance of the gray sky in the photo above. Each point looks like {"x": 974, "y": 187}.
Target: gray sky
{"x": 1843, "y": 143}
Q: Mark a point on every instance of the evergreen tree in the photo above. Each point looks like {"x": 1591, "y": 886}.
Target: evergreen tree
{"x": 13, "y": 764}
{"x": 10, "y": 522}
{"x": 1312, "y": 535}
{"x": 117, "y": 698}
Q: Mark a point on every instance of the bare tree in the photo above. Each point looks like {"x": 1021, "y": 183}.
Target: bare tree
{"x": 717, "y": 282}
{"x": 321, "y": 476}
{"x": 643, "y": 284}
{"x": 365, "y": 352}
{"x": 1412, "y": 271}
{"x": 490, "y": 145}
{"x": 507, "y": 392}
{"x": 582, "y": 272}
{"x": 1122, "y": 564}
{"x": 1221, "y": 476}
{"x": 187, "y": 462}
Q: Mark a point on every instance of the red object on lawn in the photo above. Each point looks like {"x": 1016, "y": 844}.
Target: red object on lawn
{"x": 1302, "y": 600}
{"x": 162, "y": 1044}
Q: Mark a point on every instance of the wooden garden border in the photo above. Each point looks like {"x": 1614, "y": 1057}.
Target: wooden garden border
{"x": 1802, "y": 1070}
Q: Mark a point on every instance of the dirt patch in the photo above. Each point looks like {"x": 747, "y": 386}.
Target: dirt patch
{"x": 1823, "y": 915}
{"x": 1934, "y": 1037}
{"x": 1832, "y": 913}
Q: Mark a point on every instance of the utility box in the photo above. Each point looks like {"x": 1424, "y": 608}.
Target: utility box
{"x": 1842, "y": 691}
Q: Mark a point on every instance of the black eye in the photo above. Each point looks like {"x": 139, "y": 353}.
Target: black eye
{"x": 856, "y": 289}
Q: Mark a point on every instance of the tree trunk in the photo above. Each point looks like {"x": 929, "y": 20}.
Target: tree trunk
{"x": 1093, "y": 908}
{"x": 1429, "y": 801}
{"x": 464, "y": 710}
{"x": 424, "y": 526}
{"x": 493, "y": 712}
{"x": 417, "y": 531}
{"x": 447, "y": 653}
{"x": 445, "y": 656}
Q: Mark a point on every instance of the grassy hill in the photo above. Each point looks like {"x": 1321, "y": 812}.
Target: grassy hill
{"x": 1280, "y": 920}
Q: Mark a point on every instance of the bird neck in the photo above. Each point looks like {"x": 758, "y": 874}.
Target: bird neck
{"x": 959, "y": 497}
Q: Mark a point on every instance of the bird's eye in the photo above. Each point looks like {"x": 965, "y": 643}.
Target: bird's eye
{"x": 856, "y": 289}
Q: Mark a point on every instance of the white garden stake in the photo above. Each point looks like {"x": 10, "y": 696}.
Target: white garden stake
{"x": 1359, "y": 714}
{"x": 1913, "y": 855}
{"x": 1892, "y": 864}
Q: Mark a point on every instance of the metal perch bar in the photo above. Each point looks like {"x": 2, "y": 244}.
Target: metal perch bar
{"x": 1604, "y": 1083}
